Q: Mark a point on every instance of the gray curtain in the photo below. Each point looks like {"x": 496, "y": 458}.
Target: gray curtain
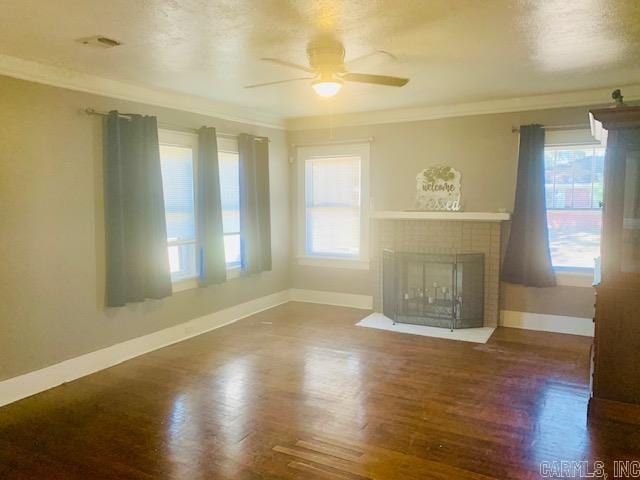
{"x": 528, "y": 260}
{"x": 209, "y": 211}
{"x": 136, "y": 234}
{"x": 255, "y": 213}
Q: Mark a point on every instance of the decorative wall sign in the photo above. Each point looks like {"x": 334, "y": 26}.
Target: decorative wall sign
{"x": 438, "y": 189}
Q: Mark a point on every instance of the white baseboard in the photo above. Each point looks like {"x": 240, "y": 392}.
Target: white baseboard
{"x": 39, "y": 380}
{"x": 22, "y": 386}
{"x": 332, "y": 298}
{"x": 547, "y": 323}
{"x": 14, "y": 389}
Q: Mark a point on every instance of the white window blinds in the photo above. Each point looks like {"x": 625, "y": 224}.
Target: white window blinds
{"x": 179, "y": 203}
{"x": 332, "y": 206}
{"x": 574, "y": 185}
{"x": 178, "y": 158}
{"x": 230, "y": 196}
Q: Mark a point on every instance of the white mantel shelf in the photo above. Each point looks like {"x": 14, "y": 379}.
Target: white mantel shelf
{"x": 455, "y": 216}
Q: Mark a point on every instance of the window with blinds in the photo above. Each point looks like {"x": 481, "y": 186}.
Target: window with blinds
{"x": 333, "y": 201}
{"x": 229, "y": 164}
{"x": 177, "y": 153}
{"x": 574, "y": 192}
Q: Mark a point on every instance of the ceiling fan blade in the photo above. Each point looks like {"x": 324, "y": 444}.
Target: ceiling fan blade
{"x": 288, "y": 64}
{"x": 371, "y": 54}
{"x": 375, "y": 79}
{"x": 278, "y": 81}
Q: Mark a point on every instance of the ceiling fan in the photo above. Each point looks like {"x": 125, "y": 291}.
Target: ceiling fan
{"x": 328, "y": 70}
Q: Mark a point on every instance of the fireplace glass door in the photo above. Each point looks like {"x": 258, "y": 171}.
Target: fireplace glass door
{"x": 437, "y": 290}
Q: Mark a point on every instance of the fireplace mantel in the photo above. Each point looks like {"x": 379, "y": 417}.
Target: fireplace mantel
{"x": 455, "y": 216}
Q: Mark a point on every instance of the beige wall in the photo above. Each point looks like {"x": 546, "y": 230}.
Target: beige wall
{"x": 51, "y": 217}
{"x": 483, "y": 148}
{"x": 52, "y": 237}
{"x": 561, "y": 300}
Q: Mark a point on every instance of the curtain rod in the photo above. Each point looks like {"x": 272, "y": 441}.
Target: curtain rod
{"x": 170, "y": 126}
{"x": 577, "y": 126}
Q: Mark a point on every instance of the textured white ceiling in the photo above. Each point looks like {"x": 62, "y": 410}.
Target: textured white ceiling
{"x": 453, "y": 50}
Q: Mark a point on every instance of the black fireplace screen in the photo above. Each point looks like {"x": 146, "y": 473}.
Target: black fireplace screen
{"x": 437, "y": 290}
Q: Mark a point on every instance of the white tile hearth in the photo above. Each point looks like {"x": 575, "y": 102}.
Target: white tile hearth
{"x": 475, "y": 335}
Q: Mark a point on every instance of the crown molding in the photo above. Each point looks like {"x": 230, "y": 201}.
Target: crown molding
{"x": 600, "y": 96}
{"x": 74, "y": 80}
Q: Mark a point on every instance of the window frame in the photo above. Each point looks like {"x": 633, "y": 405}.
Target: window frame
{"x": 577, "y": 139}
{"x": 176, "y": 138}
{"x": 230, "y": 145}
{"x": 362, "y": 150}
{"x": 179, "y": 138}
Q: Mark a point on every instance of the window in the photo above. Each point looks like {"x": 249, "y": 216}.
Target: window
{"x": 229, "y": 163}
{"x": 334, "y": 200}
{"x": 178, "y": 154}
{"x": 573, "y": 191}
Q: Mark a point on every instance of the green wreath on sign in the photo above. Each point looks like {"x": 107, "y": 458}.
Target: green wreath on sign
{"x": 439, "y": 173}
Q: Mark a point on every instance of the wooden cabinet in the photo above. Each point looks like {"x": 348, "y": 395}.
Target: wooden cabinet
{"x": 616, "y": 349}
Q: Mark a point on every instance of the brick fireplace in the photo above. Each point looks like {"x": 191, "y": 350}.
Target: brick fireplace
{"x": 441, "y": 233}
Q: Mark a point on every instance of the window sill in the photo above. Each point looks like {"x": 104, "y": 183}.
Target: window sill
{"x": 233, "y": 272}
{"x": 186, "y": 284}
{"x": 333, "y": 262}
{"x": 574, "y": 278}
{"x": 189, "y": 283}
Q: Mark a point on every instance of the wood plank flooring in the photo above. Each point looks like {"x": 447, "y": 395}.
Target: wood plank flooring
{"x": 300, "y": 392}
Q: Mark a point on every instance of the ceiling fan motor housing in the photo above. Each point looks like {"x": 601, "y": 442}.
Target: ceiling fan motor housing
{"x": 326, "y": 64}
{"x": 326, "y": 57}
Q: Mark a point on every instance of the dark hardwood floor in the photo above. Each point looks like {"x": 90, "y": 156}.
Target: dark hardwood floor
{"x": 299, "y": 392}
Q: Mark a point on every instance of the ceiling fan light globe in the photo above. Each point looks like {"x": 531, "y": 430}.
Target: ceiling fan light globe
{"x": 327, "y": 88}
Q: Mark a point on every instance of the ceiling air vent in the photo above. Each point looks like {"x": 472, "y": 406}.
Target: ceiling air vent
{"x": 100, "y": 42}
